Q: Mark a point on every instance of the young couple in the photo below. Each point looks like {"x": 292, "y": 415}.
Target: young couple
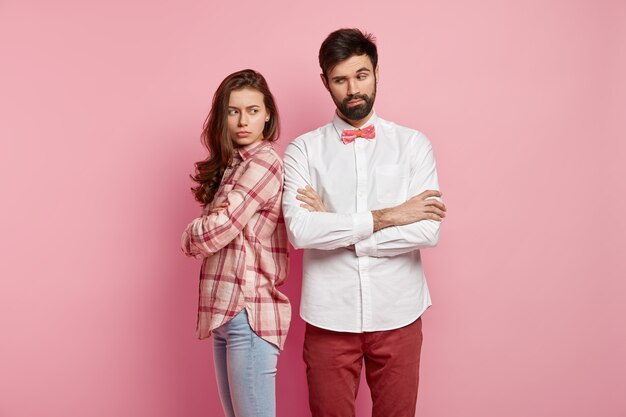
{"x": 360, "y": 196}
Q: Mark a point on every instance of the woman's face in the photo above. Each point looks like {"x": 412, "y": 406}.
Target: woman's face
{"x": 247, "y": 116}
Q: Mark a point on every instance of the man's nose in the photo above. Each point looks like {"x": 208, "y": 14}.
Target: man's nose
{"x": 352, "y": 87}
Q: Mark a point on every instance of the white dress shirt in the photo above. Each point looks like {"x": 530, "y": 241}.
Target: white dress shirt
{"x": 380, "y": 285}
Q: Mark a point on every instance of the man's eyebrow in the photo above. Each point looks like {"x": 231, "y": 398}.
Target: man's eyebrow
{"x": 343, "y": 77}
{"x": 249, "y": 107}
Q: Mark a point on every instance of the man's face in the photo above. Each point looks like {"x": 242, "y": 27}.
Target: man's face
{"x": 352, "y": 85}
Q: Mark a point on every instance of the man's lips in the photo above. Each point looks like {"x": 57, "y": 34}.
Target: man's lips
{"x": 355, "y": 102}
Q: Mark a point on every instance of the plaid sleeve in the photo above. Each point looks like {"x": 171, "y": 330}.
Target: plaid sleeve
{"x": 188, "y": 249}
{"x": 259, "y": 184}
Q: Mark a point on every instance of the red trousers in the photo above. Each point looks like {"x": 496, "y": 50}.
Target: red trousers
{"x": 334, "y": 361}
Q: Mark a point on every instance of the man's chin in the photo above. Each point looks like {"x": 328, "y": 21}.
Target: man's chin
{"x": 353, "y": 113}
{"x": 356, "y": 116}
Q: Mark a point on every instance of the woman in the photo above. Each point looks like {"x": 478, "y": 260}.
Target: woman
{"x": 242, "y": 239}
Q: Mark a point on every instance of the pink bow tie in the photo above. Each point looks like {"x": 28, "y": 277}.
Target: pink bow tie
{"x": 349, "y": 135}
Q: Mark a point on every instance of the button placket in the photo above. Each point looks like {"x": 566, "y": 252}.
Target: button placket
{"x": 361, "y": 206}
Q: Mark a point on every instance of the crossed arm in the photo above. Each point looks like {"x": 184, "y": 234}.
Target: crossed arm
{"x": 423, "y": 206}
{"x": 411, "y": 225}
{"x": 258, "y": 186}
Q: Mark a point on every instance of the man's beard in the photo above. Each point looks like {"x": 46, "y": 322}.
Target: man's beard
{"x": 356, "y": 112}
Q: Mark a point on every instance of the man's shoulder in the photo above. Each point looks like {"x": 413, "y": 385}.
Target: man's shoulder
{"x": 398, "y": 129}
{"x": 312, "y": 137}
{"x": 403, "y": 133}
{"x": 316, "y": 133}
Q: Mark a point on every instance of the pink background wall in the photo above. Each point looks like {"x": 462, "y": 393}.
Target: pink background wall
{"x": 101, "y": 106}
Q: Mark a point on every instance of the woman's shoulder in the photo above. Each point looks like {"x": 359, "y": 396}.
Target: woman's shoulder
{"x": 267, "y": 154}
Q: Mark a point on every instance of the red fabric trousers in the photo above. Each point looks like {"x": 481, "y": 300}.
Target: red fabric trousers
{"x": 334, "y": 360}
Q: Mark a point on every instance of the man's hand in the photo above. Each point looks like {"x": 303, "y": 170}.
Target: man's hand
{"x": 311, "y": 200}
{"x": 423, "y": 206}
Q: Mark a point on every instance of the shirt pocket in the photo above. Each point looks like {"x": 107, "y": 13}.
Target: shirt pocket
{"x": 391, "y": 184}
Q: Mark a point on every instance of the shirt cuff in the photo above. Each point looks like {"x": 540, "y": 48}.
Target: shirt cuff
{"x": 363, "y": 225}
{"x": 366, "y": 247}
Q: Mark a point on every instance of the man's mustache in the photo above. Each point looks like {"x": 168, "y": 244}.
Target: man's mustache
{"x": 356, "y": 97}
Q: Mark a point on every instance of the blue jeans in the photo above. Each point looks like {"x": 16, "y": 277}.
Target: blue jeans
{"x": 245, "y": 366}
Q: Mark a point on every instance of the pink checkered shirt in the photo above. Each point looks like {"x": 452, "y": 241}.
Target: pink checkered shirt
{"x": 244, "y": 247}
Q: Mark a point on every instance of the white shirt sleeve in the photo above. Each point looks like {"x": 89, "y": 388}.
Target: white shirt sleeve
{"x": 316, "y": 230}
{"x": 396, "y": 240}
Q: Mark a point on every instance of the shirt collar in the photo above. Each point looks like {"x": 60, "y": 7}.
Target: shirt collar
{"x": 247, "y": 151}
{"x": 340, "y": 124}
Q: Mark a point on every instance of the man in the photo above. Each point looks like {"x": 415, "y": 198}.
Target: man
{"x": 361, "y": 199}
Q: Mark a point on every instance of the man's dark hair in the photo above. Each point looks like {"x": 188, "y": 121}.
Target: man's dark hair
{"x": 344, "y": 43}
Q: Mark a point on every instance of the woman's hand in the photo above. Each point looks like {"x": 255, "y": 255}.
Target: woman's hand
{"x": 220, "y": 207}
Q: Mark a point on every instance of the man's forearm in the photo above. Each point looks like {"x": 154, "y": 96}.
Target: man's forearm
{"x": 325, "y": 231}
{"x": 424, "y": 206}
{"x": 382, "y": 218}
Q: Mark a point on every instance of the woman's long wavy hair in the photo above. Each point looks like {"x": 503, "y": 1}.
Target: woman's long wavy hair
{"x": 215, "y": 137}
